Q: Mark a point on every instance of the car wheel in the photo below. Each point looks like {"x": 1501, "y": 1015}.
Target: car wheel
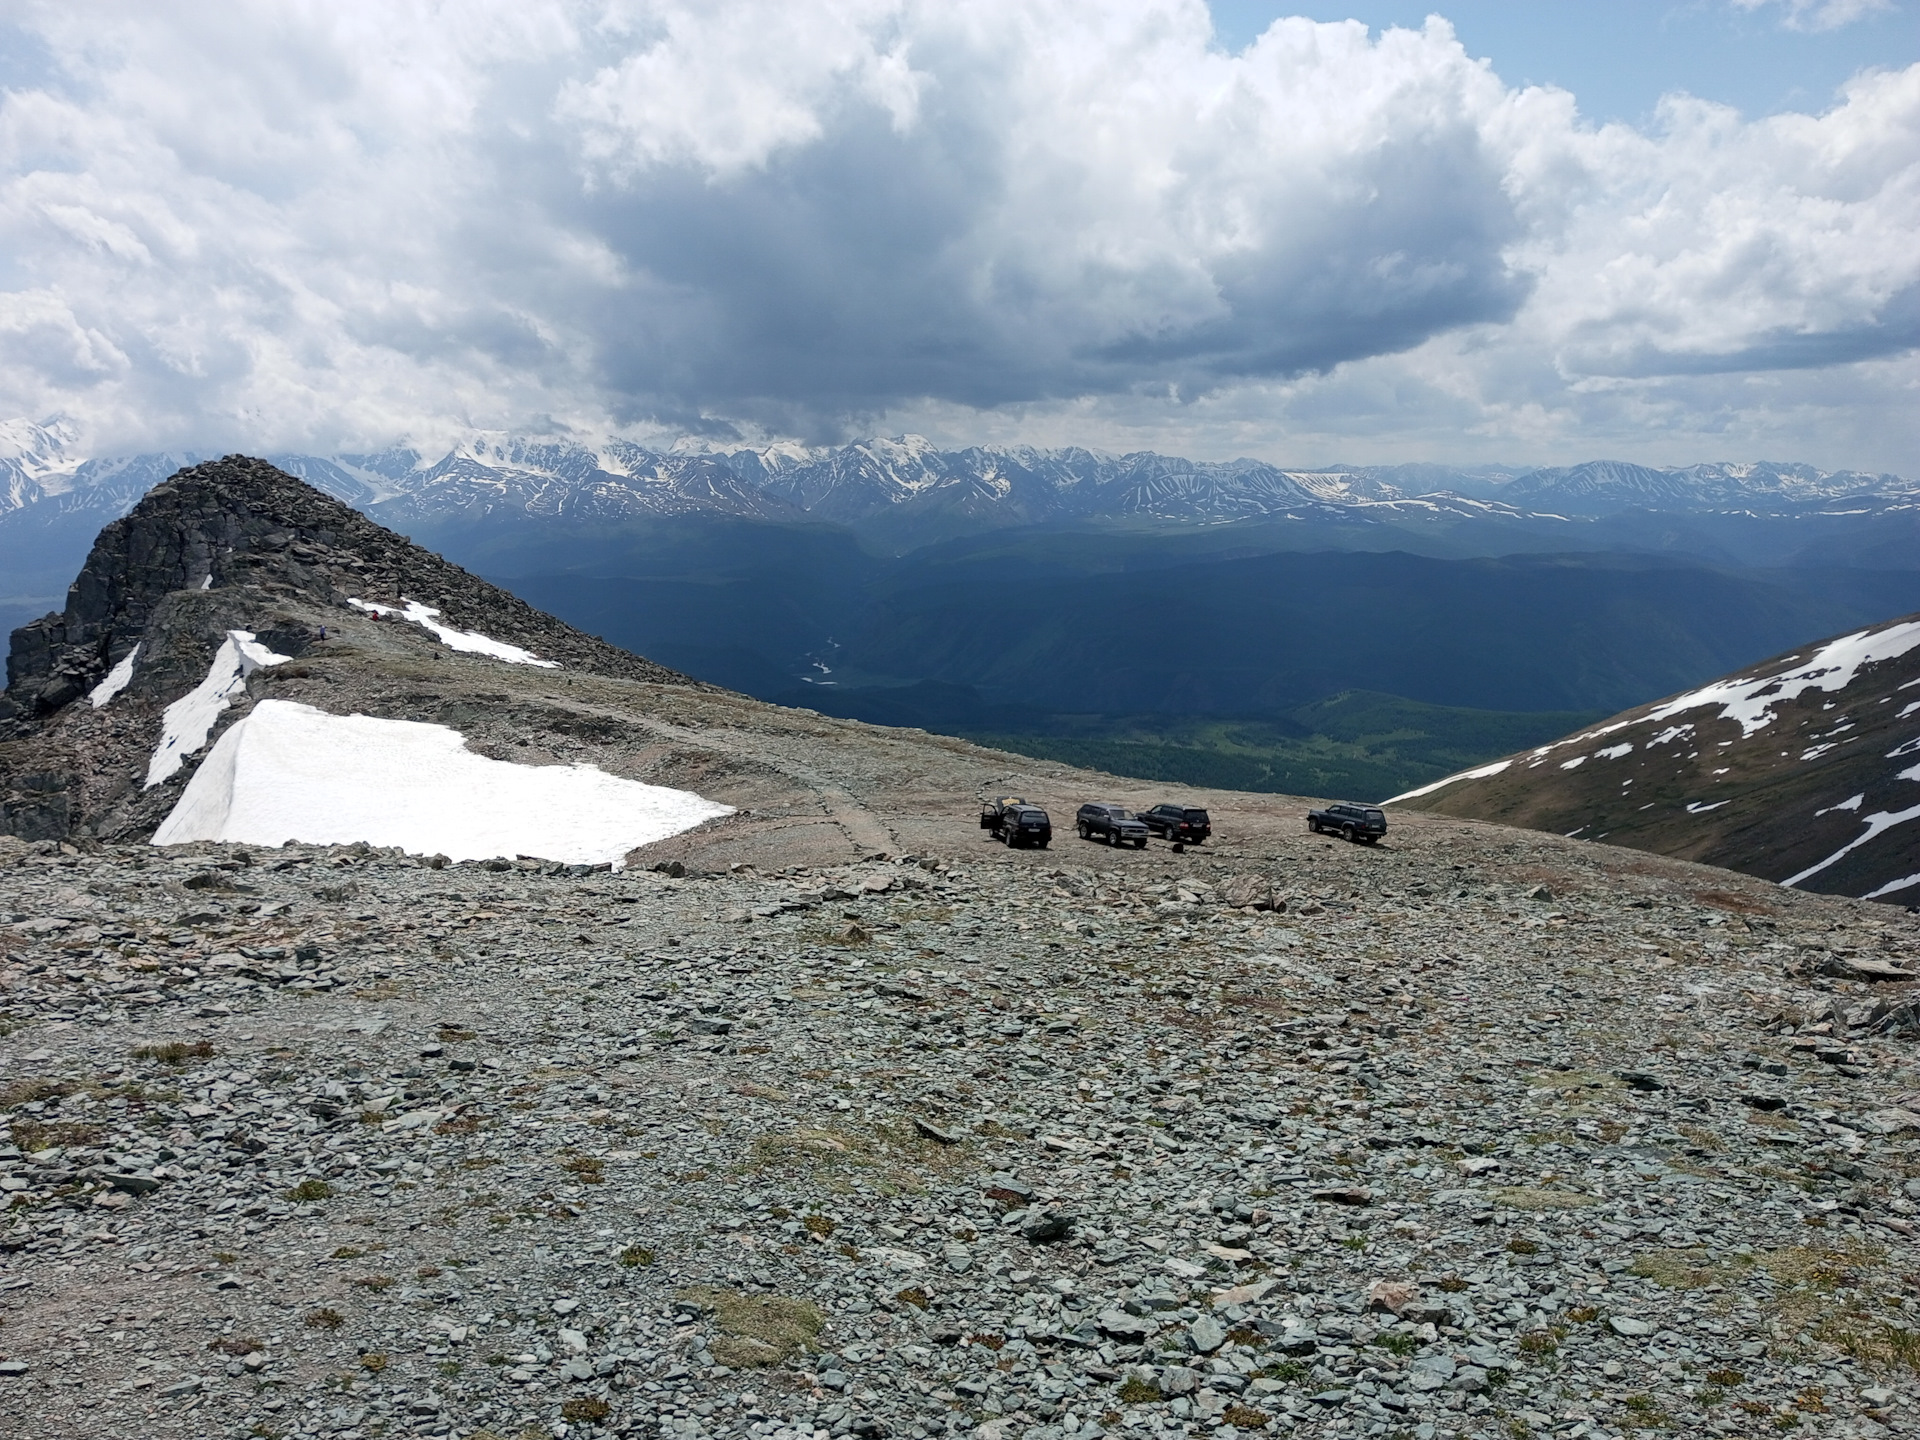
{"x": 1313, "y": 827}
{"x": 1346, "y": 833}
{"x": 1082, "y": 828}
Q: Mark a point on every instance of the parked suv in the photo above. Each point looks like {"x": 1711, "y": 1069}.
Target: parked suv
{"x": 1182, "y": 824}
{"x": 1112, "y": 824}
{"x": 1014, "y": 821}
{"x": 1365, "y": 823}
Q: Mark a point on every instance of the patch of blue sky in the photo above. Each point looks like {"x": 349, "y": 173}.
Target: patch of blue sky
{"x": 1618, "y": 57}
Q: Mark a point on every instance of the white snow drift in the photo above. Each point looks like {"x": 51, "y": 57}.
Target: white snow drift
{"x": 471, "y": 641}
{"x": 291, "y": 772}
{"x": 189, "y": 719}
{"x": 117, "y": 680}
{"x": 1480, "y": 773}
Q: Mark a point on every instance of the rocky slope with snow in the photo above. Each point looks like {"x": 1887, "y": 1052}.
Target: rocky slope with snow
{"x": 225, "y": 570}
{"x": 1804, "y": 769}
{"x": 825, "y": 1116}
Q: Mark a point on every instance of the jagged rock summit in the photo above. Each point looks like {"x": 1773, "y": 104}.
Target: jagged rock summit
{"x": 240, "y": 522}
{"x": 1803, "y": 769}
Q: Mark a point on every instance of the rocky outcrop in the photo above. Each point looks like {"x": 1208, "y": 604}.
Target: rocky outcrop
{"x": 240, "y": 522}
{"x": 236, "y": 544}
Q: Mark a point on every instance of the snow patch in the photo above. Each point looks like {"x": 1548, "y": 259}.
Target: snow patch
{"x": 1585, "y": 735}
{"x": 117, "y": 680}
{"x": 470, "y": 641}
{"x": 1574, "y": 764}
{"x": 1672, "y": 732}
{"x": 1877, "y": 824}
{"x": 1698, "y": 807}
{"x": 1891, "y": 886}
{"x": 1613, "y": 752}
{"x": 1478, "y": 774}
{"x": 189, "y": 719}
{"x": 1832, "y": 667}
{"x": 1852, "y": 804}
{"x": 291, "y": 772}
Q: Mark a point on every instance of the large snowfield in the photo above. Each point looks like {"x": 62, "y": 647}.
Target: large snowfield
{"x": 291, "y": 772}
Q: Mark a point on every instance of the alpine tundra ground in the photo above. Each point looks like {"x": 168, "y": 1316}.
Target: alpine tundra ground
{"x": 1475, "y": 1133}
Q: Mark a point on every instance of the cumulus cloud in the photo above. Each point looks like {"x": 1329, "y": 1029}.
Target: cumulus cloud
{"x": 281, "y": 224}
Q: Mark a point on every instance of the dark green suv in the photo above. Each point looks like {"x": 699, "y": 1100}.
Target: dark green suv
{"x": 1365, "y": 823}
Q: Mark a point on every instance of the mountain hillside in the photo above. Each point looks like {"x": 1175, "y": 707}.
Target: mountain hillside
{"x": 417, "y": 1019}
{"x": 1804, "y": 769}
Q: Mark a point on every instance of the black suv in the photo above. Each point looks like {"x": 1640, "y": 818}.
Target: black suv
{"x": 1016, "y": 822}
{"x": 1112, "y": 824}
{"x": 1181, "y": 824}
{"x": 1365, "y": 823}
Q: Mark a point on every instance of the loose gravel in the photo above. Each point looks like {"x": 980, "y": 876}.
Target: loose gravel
{"x": 1318, "y": 1140}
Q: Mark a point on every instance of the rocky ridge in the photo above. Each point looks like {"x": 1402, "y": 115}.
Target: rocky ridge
{"x": 239, "y": 544}
{"x": 242, "y": 523}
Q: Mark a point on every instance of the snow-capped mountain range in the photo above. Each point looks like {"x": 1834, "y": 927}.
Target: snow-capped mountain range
{"x": 911, "y": 484}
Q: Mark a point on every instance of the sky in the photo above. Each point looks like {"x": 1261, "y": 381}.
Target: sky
{"x": 1498, "y": 232}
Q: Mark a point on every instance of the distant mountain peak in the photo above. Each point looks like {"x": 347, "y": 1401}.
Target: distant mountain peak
{"x": 906, "y": 489}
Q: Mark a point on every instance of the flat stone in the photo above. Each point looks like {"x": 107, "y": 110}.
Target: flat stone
{"x": 1206, "y": 1335}
{"x": 1047, "y": 1227}
{"x": 1127, "y": 1329}
{"x": 1179, "y": 1380}
{"x": 1393, "y": 1296}
{"x": 1243, "y": 1294}
{"x": 1344, "y": 1195}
